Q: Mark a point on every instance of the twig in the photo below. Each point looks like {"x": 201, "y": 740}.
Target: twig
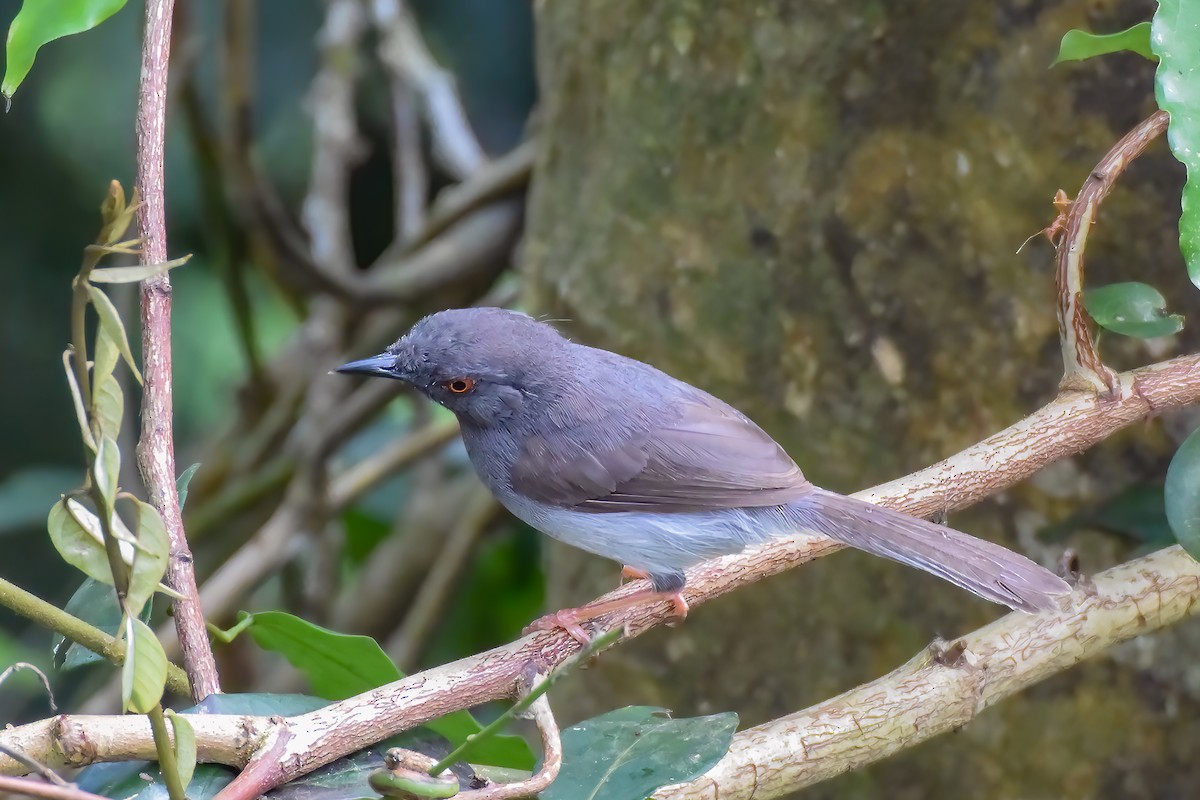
{"x": 506, "y": 175}
{"x": 410, "y": 175}
{"x": 948, "y": 684}
{"x": 53, "y": 791}
{"x": 547, "y": 726}
{"x": 25, "y": 665}
{"x": 403, "y": 50}
{"x": 336, "y": 146}
{"x": 1083, "y": 369}
{"x": 363, "y": 476}
{"x": 156, "y": 449}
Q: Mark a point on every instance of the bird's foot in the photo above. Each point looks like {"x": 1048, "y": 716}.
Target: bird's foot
{"x": 569, "y": 619}
{"x": 629, "y": 573}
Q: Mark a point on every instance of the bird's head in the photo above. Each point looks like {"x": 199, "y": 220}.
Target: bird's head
{"x": 484, "y": 364}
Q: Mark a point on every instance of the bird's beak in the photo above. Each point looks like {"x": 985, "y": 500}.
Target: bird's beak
{"x": 382, "y": 365}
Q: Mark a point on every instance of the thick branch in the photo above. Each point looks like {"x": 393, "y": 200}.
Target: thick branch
{"x": 1064, "y": 427}
{"x": 948, "y": 684}
{"x": 156, "y": 448}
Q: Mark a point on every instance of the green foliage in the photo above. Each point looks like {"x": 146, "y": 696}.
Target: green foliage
{"x": 337, "y": 665}
{"x": 628, "y": 753}
{"x": 1079, "y": 45}
{"x": 42, "y": 21}
{"x": 1182, "y": 494}
{"x": 340, "y": 665}
{"x": 75, "y": 533}
{"x": 1175, "y": 39}
{"x": 182, "y": 482}
{"x": 1137, "y": 513}
{"x": 185, "y": 747}
{"x": 150, "y": 558}
{"x": 96, "y": 604}
{"x": 1131, "y": 309}
{"x": 144, "y": 673}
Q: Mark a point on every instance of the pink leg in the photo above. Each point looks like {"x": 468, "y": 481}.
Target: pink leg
{"x": 569, "y": 618}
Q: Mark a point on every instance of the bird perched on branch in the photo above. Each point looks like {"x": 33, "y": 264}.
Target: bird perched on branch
{"x": 620, "y": 459}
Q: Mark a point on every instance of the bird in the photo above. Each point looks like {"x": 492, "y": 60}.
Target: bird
{"x": 615, "y": 457}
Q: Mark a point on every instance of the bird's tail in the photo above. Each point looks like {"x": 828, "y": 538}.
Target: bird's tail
{"x": 989, "y": 570}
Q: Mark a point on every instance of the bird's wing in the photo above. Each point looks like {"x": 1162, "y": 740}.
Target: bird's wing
{"x": 709, "y": 457}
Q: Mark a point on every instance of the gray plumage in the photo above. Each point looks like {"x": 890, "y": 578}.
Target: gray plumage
{"x": 620, "y": 459}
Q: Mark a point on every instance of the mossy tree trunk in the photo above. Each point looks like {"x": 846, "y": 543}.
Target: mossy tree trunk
{"x": 812, "y": 210}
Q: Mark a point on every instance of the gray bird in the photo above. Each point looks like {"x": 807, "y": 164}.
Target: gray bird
{"x": 620, "y": 459}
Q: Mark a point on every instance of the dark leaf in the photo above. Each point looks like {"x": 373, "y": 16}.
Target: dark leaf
{"x": 1182, "y": 494}
{"x": 628, "y": 753}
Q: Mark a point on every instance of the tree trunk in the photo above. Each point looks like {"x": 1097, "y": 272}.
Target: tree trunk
{"x": 812, "y": 210}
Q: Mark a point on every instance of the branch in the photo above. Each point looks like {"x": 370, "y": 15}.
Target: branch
{"x": 156, "y": 448}
{"x": 1082, "y": 368}
{"x": 53, "y": 618}
{"x": 1067, "y": 425}
{"x": 404, "y": 52}
{"x": 948, "y": 684}
{"x": 37, "y": 788}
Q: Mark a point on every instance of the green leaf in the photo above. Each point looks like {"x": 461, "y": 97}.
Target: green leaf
{"x": 77, "y": 400}
{"x": 104, "y": 359}
{"x": 185, "y": 747}
{"x": 144, "y": 673}
{"x": 629, "y": 753}
{"x": 134, "y": 274}
{"x": 1174, "y": 34}
{"x": 75, "y": 533}
{"x": 107, "y": 469}
{"x": 96, "y": 604}
{"x": 25, "y": 495}
{"x": 339, "y": 665}
{"x": 1182, "y": 494}
{"x": 150, "y": 559}
{"x": 110, "y": 322}
{"x": 181, "y": 483}
{"x": 108, "y": 405}
{"x": 41, "y": 21}
{"x": 1131, "y": 309}
{"x": 1079, "y": 45}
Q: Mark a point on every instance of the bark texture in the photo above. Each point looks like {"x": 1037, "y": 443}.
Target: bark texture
{"x": 811, "y": 210}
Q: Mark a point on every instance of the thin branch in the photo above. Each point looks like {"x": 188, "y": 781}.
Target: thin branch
{"x": 948, "y": 684}
{"x": 55, "y": 619}
{"x": 36, "y": 788}
{"x": 363, "y": 476}
{"x": 156, "y": 449}
{"x": 1082, "y": 368}
{"x": 506, "y": 175}
{"x": 336, "y": 146}
{"x": 547, "y": 726}
{"x": 403, "y": 50}
{"x": 410, "y": 175}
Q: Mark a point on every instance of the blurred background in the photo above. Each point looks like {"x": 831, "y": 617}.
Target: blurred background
{"x": 809, "y": 209}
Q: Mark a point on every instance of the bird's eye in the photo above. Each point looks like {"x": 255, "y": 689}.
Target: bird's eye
{"x": 460, "y": 385}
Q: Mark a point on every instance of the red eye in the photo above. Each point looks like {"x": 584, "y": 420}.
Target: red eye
{"x": 460, "y": 385}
